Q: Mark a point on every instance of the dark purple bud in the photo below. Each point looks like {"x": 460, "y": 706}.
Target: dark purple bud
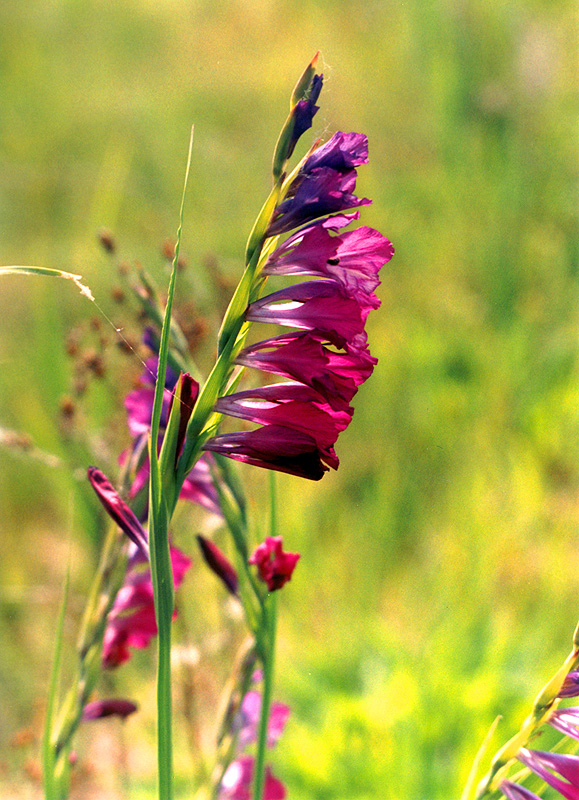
{"x": 118, "y": 510}
{"x": 112, "y": 707}
{"x": 219, "y": 564}
{"x": 187, "y": 391}
{"x": 304, "y": 112}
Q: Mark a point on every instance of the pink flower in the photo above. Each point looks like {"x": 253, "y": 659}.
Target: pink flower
{"x": 566, "y": 721}
{"x": 131, "y": 621}
{"x": 273, "y": 447}
{"x": 305, "y": 358}
{"x": 320, "y": 306}
{"x": 236, "y": 783}
{"x": 274, "y": 566}
{"x": 248, "y": 720}
{"x": 327, "y": 357}
{"x": 113, "y": 707}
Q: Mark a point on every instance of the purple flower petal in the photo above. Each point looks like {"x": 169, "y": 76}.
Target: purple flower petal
{"x": 248, "y": 720}
{"x": 315, "y": 305}
{"x": 131, "y": 621}
{"x": 199, "y": 488}
{"x": 323, "y": 191}
{"x": 342, "y": 152}
{"x": 236, "y": 783}
{"x": 515, "y": 792}
{"x": 113, "y": 707}
{"x": 353, "y": 259}
{"x": 304, "y": 112}
{"x": 566, "y": 721}
{"x": 291, "y": 405}
{"x": 118, "y": 510}
{"x": 272, "y": 447}
{"x": 303, "y": 357}
{"x": 275, "y": 567}
{"x": 570, "y": 686}
{"x": 566, "y": 765}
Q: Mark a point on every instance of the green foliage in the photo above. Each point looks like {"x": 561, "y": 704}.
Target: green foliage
{"x": 438, "y": 581}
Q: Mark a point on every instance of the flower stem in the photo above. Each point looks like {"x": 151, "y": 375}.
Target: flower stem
{"x": 161, "y": 571}
{"x": 268, "y": 663}
{"x": 269, "y": 611}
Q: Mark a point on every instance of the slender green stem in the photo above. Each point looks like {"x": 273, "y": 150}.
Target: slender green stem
{"x": 267, "y": 648}
{"x": 161, "y": 571}
{"x": 50, "y": 780}
{"x": 268, "y": 663}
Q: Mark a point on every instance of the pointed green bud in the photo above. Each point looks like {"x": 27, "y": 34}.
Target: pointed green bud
{"x": 302, "y": 87}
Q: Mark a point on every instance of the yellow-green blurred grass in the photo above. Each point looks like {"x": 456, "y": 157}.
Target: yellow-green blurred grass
{"x": 438, "y": 580}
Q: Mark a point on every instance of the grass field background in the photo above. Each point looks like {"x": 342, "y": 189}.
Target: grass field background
{"x": 438, "y": 585}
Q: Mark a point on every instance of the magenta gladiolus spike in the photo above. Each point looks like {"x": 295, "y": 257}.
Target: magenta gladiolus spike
{"x": 327, "y": 357}
{"x": 113, "y": 707}
{"x": 118, "y": 510}
{"x": 274, "y": 566}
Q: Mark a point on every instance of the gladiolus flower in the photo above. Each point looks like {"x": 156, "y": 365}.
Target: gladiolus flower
{"x": 131, "y": 621}
{"x": 236, "y": 783}
{"x": 273, "y": 447}
{"x": 327, "y": 357}
{"x": 321, "y": 192}
{"x": 325, "y": 184}
{"x": 352, "y": 259}
{"x": 113, "y": 707}
{"x": 316, "y": 306}
{"x": 342, "y": 152}
{"x": 304, "y": 357}
{"x": 247, "y": 721}
{"x": 274, "y": 566}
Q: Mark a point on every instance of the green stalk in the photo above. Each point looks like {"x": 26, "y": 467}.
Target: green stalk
{"x": 267, "y": 648}
{"x": 49, "y": 777}
{"x": 268, "y": 663}
{"x": 161, "y": 571}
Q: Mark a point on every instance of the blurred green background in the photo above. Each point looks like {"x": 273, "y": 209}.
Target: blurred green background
{"x": 438, "y": 585}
